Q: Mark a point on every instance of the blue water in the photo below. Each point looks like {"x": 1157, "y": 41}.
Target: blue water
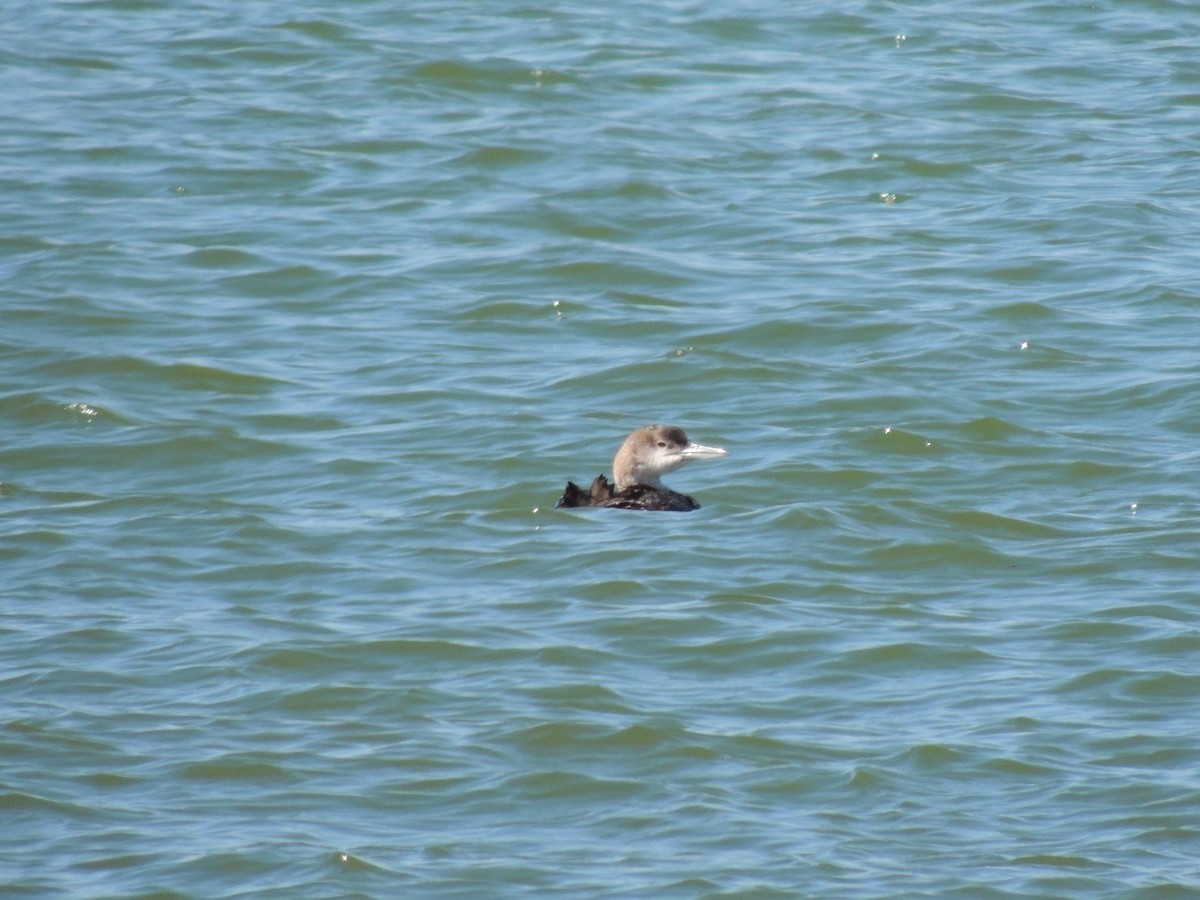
{"x": 310, "y": 311}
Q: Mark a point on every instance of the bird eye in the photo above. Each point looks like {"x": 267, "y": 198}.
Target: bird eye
{"x": 662, "y": 443}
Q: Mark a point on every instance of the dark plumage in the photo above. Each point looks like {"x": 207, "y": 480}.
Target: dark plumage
{"x": 638, "y": 496}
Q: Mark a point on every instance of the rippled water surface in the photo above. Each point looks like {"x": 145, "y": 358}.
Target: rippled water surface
{"x": 310, "y": 311}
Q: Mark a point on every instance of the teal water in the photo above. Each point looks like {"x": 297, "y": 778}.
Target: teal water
{"x": 310, "y": 310}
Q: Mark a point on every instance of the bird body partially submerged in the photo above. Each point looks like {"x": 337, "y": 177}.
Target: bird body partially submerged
{"x": 647, "y": 455}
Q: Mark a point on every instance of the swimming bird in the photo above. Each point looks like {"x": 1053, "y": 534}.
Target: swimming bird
{"x": 648, "y": 454}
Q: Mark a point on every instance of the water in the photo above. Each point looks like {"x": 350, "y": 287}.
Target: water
{"x": 310, "y": 310}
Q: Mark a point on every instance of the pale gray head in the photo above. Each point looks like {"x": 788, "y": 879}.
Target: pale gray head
{"x": 652, "y": 452}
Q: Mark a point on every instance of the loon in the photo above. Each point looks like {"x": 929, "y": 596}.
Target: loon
{"x": 648, "y": 454}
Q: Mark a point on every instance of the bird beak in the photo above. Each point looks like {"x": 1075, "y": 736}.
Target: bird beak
{"x": 699, "y": 451}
